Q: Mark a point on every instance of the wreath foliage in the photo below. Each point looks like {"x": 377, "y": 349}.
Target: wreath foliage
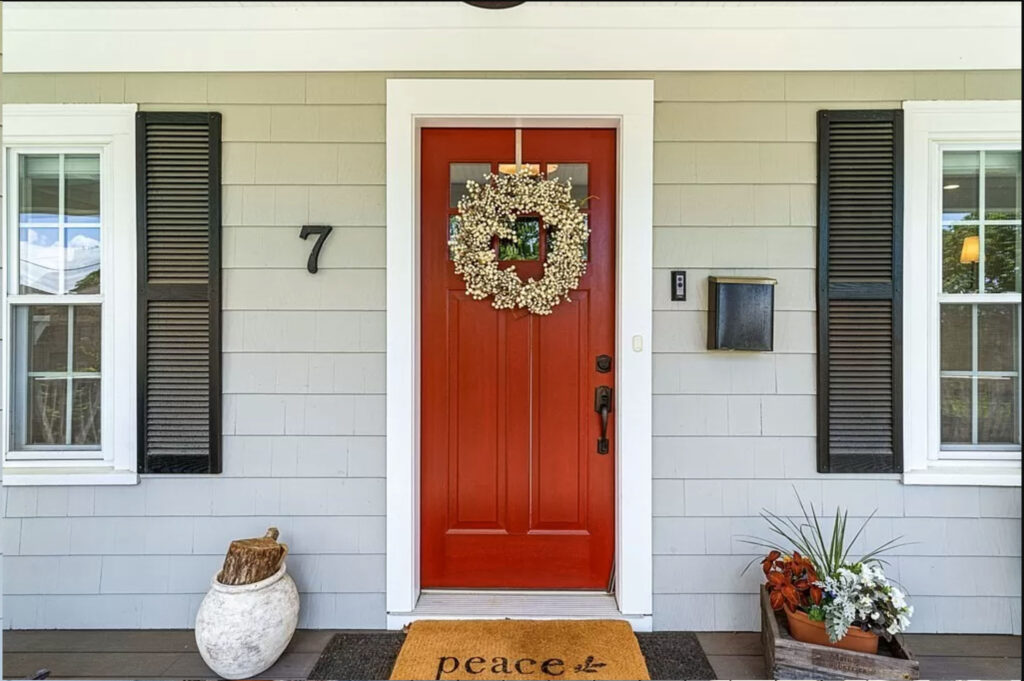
{"x": 490, "y": 210}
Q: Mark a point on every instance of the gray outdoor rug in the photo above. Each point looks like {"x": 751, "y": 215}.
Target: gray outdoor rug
{"x": 669, "y": 655}
{"x": 359, "y": 656}
{"x": 674, "y": 655}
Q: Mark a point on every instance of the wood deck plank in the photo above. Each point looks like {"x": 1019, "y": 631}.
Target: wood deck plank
{"x": 100, "y": 641}
{"x": 738, "y": 666}
{"x": 970, "y": 667}
{"x": 730, "y": 642}
{"x": 964, "y": 645}
{"x": 77, "y": 665}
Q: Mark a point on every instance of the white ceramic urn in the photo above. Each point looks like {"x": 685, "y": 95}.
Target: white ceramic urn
{"x": 242, "y": 630}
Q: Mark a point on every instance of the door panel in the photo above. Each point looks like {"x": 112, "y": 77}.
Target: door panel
{"x": 514, "y": 493}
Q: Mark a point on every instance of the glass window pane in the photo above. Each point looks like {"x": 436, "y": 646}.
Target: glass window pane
{"x": 38, "y": 188}
{"x": 459, "y": 174}
{"x": 526, "y": 246}
{"x": 955, "y": 337}
{"x": 1002, "y": 258}
{"x": 82, "y": 273}
{"x": 998, "y": 410}
{"x": 1002, "y": 185}
{"x": 82, "y": 188}
{"x": 47, "y": 409}
{"x": 43, "y": 329}
{"x": 453, "y": 231}
{"x": 510, "y": 168}
{"x": 998, "y": 328}
{"x": 577, "y": 173}
{"x": 961, "y": 248}
{"x": 85, "y": 411}
{"x": 39, "y": 260}
{"x": 960, "y": 185}
{"x": 86, "y": 338}
{"x": 955, "y": 398}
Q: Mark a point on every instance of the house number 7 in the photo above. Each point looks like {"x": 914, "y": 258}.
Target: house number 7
{"x": 314, "y": 255}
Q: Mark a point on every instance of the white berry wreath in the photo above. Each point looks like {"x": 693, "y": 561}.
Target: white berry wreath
{"x": 490, "y": 209}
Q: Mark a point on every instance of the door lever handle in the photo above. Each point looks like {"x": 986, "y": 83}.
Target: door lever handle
{"x": 603, "y": 406}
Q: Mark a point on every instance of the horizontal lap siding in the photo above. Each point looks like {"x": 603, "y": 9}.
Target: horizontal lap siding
{"x": 735, "y": 432}
{"x": 304, "y": 367}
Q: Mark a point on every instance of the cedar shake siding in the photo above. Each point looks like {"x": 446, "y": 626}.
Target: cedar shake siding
{"x": 304, "y": 367}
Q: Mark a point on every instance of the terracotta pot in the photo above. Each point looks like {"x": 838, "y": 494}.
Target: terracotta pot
{"x": 804, "y": 629}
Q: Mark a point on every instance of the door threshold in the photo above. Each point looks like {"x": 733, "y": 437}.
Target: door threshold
{"x": 436, "y": 604}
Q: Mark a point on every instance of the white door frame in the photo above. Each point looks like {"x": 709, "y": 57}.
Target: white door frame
{"x": 628, "y": 106}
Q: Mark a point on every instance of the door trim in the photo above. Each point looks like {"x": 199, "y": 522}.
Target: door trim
{"x": 627, "y": 106}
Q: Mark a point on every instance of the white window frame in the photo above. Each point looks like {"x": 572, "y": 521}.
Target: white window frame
{"x": 930, "y": 128}
{"x": 109, "y": 130}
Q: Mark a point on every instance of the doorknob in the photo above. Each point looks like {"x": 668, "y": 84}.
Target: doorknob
{"x": 603, "y": 406}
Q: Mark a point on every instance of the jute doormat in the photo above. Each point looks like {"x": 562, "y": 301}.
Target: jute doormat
{"x": 520, "y": 649}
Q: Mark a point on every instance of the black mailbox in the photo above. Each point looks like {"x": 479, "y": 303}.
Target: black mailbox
{"x": 741, "y": 313}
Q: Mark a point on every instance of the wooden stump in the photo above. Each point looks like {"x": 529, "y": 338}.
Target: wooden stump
{"x": 252, "y": 560}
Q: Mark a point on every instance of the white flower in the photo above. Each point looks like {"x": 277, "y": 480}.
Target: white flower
{"x": 490, "y": 210}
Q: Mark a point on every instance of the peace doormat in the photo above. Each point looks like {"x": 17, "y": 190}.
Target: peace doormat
{"x": 371, "y": 655}
{"x": 520, "y": 649}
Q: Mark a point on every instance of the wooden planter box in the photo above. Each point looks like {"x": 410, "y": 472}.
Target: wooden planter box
{"x": 787, "y": 658}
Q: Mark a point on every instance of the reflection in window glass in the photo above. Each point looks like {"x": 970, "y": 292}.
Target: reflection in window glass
{"x": 961, "y": 254}
{"x": 955, "y": 337}
{"x": 956, "y": 410}
{"x": 82, "y": 188}
{"x": 1002, "y": 185}
{"x": 39, "y": 188}
{"x": 960, "y": 172}
{"x": 57, "y": 384}
{"x": 461, "y": 173}
{"x": 59, "y": 234}
{"x": 510, "y": 168}
{"x": 453, "y": 230}
{"x": 39, "y": 260}
{"x": 998, "y": 410}
{"x": 527, "y": 244}
{"x": 576, "y": 173}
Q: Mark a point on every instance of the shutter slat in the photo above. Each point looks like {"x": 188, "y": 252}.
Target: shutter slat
{"x": 859, "y": 293}
{"x": 179, "y": 344}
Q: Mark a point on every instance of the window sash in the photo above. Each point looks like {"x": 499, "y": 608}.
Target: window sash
{"x": 17, "y": 397}
{"x": 965, "y": 451}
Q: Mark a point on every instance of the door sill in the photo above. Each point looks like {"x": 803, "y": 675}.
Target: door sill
{"x": 532, "y": 605}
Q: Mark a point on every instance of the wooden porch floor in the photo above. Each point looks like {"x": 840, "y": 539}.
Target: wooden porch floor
{"x": 170, "y": 654}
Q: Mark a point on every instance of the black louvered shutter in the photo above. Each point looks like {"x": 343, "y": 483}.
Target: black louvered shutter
{"x": 860, "y": 225}
{"x": 178, "y": 175}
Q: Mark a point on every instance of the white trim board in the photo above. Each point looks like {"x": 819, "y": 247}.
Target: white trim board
{"x": 627, "y": 105}
{"x": 534, "y": 605}
{"x": 562, "y": 36}
{"x": 107, "y": 129}
{"x": 928, "y": 128}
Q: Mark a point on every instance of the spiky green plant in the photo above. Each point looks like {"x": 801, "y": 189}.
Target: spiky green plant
{"x": 827, "y": 554}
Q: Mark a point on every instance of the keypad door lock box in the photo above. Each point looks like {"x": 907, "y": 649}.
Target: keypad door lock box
{"x": 678, "y": 284}
{"x": 741, "y": 313}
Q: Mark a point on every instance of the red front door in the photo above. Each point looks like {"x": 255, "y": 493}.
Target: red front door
{"x": 514, "y": 491}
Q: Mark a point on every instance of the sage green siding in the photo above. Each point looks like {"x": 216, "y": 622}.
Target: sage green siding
{"x": 304, "y": 402}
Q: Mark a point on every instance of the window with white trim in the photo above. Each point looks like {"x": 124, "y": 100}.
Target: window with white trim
{"x": 962, "y": 282}
{"x": 69, "y": 294}
{"x": 979, "y": 303}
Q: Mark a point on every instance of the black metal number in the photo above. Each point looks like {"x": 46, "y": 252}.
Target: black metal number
{"x": 314, "y": 255}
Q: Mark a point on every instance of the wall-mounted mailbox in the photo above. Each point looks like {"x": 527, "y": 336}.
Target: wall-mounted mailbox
{"x": 741, "y": 313}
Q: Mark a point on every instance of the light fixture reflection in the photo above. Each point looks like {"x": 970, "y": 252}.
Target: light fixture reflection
{"x": 970, "y": 251}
